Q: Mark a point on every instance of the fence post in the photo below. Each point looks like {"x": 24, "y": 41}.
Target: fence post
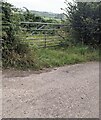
{"x": 45, "y": 41}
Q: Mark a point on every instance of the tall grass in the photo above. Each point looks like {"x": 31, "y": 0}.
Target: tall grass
{"x": 52, "y": 57}
{"x": 62, "y": 56}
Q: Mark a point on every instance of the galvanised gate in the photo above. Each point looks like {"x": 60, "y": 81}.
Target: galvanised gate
{"x": 44, "y": 34}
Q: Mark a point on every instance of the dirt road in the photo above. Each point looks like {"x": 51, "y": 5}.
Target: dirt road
{"x": 64, "y": 92}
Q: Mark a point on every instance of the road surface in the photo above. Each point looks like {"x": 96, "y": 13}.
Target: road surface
{"x": 71, "y": 91}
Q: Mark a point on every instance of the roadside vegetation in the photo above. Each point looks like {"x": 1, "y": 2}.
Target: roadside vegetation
{"x": 81, "y": 42}
{"x": 62, "y": 56}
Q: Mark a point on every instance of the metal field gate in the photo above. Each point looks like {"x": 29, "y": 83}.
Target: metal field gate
{"x": 44, "y": 34}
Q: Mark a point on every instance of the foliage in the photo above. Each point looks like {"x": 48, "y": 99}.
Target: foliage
{"x": 14, "y": 53}
{"x": 31, "y": 17}
{"x": 9, "y": 29}
{"x": 64, "y": 56}
{"x": 85, "y": 22}
{"x": 17, "y": 54}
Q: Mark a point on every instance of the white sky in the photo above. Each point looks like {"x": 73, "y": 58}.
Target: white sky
{"x": 40, "y": 5}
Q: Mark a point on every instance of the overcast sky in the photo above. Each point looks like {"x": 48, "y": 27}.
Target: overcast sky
{"x": 40, "y": 5}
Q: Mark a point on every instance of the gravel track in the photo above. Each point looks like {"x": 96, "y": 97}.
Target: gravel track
{"x": 66, "y": 92}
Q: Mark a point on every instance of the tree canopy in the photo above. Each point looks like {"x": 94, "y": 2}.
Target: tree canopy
{"x": 85, "y": 21}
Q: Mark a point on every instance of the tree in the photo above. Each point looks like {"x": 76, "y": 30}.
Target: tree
{"x": 85, "y": 21}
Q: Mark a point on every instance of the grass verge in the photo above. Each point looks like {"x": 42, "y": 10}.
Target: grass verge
{"x": 62, "y": 56}
{"x": 51, "y": 57}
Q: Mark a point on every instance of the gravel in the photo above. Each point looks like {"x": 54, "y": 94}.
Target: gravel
{"x": 71, "y": 91}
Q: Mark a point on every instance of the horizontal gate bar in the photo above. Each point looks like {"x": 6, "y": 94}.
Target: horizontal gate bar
{"x": 42, "y": 23}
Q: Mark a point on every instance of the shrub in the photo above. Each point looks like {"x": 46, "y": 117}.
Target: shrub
{"x": 15, "y": 53}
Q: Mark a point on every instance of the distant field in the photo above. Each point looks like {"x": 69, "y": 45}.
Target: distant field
{"x": 48, "y": 14}
{"x": 56, "y": 19}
